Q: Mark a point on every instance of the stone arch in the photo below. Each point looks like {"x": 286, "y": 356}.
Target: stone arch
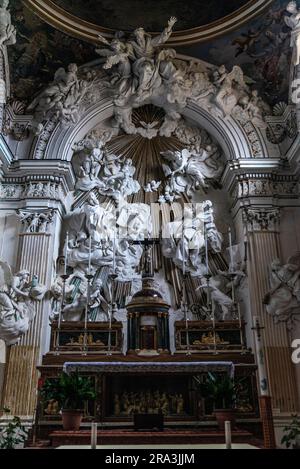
{"x": 229, "y": 134}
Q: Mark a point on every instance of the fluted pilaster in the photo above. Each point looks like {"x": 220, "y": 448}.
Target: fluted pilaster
{"x": 35, "y": 254}
{"x": 263, "y": 247}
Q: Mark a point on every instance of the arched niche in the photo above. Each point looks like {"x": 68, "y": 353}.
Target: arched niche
{"x": 227, "y": 132}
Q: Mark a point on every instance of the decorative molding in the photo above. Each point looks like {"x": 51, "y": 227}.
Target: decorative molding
{"x": 261, "y": 219}
{"x": 266, "y": 185}
{"x": 44, "y": 138}
{"x": 40, "y": 190}
{"x": 282, "y": 127}
{"x": 252, "y": 136}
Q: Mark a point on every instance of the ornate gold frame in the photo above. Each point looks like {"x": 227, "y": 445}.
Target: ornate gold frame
{"x": 74, "y": 26}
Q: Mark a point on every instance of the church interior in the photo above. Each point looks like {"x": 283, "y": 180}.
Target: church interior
{"x": 149, "y": 217}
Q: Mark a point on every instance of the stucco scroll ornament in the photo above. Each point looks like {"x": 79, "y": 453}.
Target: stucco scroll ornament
{"x": 63, "y": 98}
{"x": 18, "y": 294}
{"x": 7, "y": 30}
{"x": 293, "y": 22}
{"x": 283, "y": 300}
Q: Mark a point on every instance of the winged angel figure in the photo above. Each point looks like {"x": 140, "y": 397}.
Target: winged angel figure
{"x": 189, "y": 171}
{"x": 283, "y": 300}
{"x": 17, "y": 296}
{"x": 118, "y": 54}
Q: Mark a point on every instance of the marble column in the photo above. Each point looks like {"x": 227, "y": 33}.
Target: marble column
{"x": 35, "y": 254}
{"x": 262, "y": 230}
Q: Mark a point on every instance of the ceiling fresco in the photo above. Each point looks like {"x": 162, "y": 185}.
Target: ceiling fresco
{"x": 260, "y": 47}
{"x": 153, "y": 14}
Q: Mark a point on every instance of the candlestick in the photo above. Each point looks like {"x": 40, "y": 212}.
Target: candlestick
{"x": 94, "y": 435}
{"x": 183, "y": 256}
{"x": 206, "y": 250}
{"x": 114, "y": 252}
{"x": 66, "y": 253}
{"x": 90, "y": 255}
{"x": 230, "y": 250}
{"x": 228, "y": 439}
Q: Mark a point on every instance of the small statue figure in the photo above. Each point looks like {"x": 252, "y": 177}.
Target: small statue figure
{"x": 180, "y": 405}
{"x": 144, "y": 46}
{"x": 62, "y": 98}
{"x": 17, "y": 297}
{"x": 117, "y": 405}
{"x": 283, "y": 300}
{"x": 7, "y": 30}
{"x": 218, "y": 298}
{"x": 293, "y": 22}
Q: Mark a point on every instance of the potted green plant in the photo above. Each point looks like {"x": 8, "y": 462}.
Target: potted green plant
{"x": 14, "y": 434}
{"x": 221, "y": 389}
{"x": 70, "y": 391}
{"x": 292, "y": 434}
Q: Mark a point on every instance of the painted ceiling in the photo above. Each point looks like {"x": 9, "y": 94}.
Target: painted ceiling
{"x": 261, "y": 47}
{"x": 153, "y": 14}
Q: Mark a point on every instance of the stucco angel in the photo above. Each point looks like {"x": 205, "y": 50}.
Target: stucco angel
{"x": 283, "y": 300}
{"x": 62, "y": 97}
{"x": 18, "y": 292}
{"x": 118, "y": 54}
{"x": 293, "y": 22}
{"x": 189, "y": 171}
{"x": 231, "y": 87}
{"x": 7, "y": 30}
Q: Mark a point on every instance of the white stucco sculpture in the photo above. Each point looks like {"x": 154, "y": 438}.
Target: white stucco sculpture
{"x": 62, "y": 99}
{"x": 293, "y": 22}
{"x": 283, "y": 300}
{"x": 18, "y": 294}
{"x": 7, "y": 30}
{"x": 142, "y": 74}
{"x": 218, "y": 298}
{"x": 73, "y": 305}
{"x": 112, "y": 175}
{"x": 184, "y": 241}
{"x": 188, "y": 171}
{"x": 94, "y": 226}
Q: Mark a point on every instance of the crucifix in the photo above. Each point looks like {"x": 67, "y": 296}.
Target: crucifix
{"x": 148, "y": 244}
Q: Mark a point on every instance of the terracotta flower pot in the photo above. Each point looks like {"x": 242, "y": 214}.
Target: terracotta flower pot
{"x": 225, "y": 415}
{"x": 71, "y": 419}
